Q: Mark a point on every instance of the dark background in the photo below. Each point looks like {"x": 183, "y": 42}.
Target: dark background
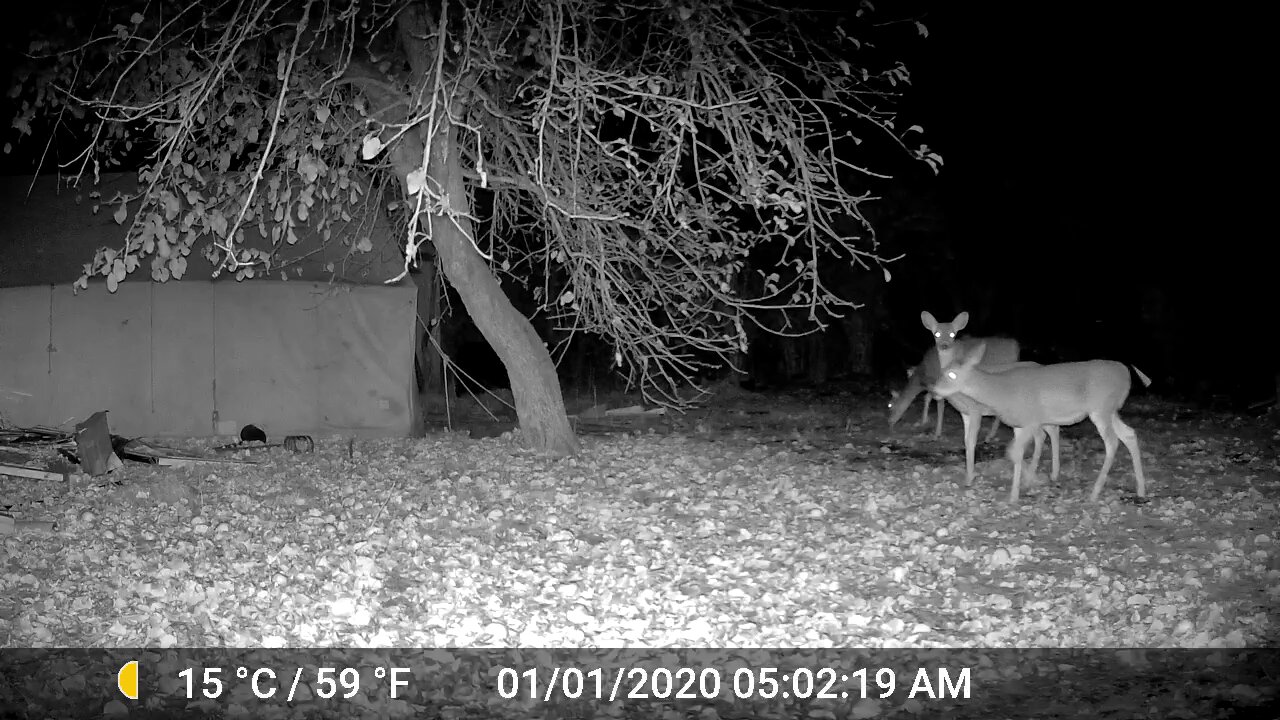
{"x": 1105, "y": 167}
{"x": 1104, "y": 160}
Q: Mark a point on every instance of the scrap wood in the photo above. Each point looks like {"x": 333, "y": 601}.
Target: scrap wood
{"x": 38, "y": 435}
{"x": 183, "y": 461}
{"x": 30, "y": 472}
{"x": 93, "y": 445}
{"x": 91, "y": 438}
{"x": 244, "y": 446}
{"x": 21, "y": 455}
{"x": 136, "y": 449}
{"x": 31, "y": 462}
{"x": 168, "y": 457}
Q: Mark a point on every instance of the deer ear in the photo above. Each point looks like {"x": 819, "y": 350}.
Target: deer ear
{"x": 927, "y": 319}
{"x": 959, "y": 323}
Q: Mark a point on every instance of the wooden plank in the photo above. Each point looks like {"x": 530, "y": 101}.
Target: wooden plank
{"x": 29, "y": 472}
{"x": 181, "y": 461}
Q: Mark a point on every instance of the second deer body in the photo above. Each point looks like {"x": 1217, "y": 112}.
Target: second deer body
{"x": 1030, "y": 398}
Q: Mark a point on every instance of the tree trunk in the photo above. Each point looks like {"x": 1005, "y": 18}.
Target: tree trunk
{"x": 534, "y": 384}
{"x": 429, "y": 328}
{"x": 535, "y": 387}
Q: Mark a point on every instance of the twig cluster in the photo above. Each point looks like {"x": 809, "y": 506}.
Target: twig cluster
{"x": 664, "y": 173}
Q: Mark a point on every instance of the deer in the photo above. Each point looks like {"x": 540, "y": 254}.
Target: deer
{"x": 900, "y": 400}
{"x": 1030, "y": 398}
{"x": 926, "y": 374}
{"x": 919, "y": 379}
{"x": 1000, "y": 351}
{"x": 947, "y": 347}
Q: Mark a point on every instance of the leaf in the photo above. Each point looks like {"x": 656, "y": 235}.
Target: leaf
{"x": 371, "y": 147}
{"x": 322, "y": 113}
{"x": 171, "y": 205}
{"x": 416, "y": 181}
{"x": 121, "y": 214}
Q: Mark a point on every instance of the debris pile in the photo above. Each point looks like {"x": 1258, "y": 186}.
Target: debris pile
{"x": 45, "y": 453}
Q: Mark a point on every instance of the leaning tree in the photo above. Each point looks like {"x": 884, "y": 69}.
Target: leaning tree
{"x": 630, "y": 163}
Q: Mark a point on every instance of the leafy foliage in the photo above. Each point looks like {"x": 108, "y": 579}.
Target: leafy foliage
{"x": 658, "y": 173}
{"x": 226, "y": 134}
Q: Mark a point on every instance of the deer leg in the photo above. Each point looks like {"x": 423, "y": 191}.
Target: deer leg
{"x": 1017, "y": 450}
{"x": 939, "y": 407}
{"x": 1034, "y": 466}
{"x": 1053, "y": 431}
{"x": 1130, "y": 440}
{"x": 972, "y": 424}
{"x": 991, "y": 434}
{"x": 1110, "y": 443}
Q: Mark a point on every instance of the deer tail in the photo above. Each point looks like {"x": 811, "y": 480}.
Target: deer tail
{"x": 1146, "y": 381}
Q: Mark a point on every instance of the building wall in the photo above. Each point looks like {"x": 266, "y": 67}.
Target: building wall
{"x": 331, "y": 350}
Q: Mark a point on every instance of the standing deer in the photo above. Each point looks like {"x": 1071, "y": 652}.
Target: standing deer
{"x": 1030, "y": 398}
{"x": 951, "y": 347}
{"x": 926, "y": 374}
{"x": 947, "y": 348}
{"x": 919, "y": 379}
